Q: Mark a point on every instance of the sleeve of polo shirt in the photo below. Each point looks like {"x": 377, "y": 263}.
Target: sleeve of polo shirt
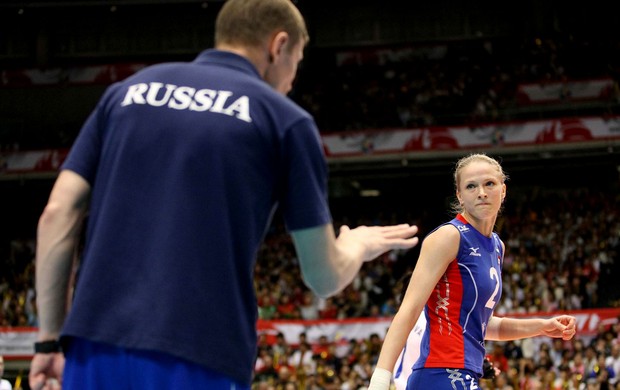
{"x": 85, "y": 153}
{"x": 305, "y": 199}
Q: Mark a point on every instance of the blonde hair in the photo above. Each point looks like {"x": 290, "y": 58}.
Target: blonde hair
{"x": 465, "y": 161}
{"x": 251, "y": 22}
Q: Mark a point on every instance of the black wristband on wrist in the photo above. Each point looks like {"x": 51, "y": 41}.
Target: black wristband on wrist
{"x": 49, "y": 346}
{"x": 488, "y": 371}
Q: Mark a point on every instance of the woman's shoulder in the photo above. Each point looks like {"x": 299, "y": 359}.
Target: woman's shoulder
{"x": 444, "y": 234}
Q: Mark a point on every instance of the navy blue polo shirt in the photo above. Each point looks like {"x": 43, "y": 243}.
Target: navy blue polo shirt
{"x": 187, "y": 163}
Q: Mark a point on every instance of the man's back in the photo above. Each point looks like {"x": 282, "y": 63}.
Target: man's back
{"x": 180, "y": 169}
{"x": 187, "y": 163}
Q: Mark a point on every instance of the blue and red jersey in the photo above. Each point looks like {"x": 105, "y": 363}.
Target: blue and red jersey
{"x": 462, "y": 303}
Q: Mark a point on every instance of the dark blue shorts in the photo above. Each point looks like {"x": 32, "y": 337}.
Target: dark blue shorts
{"x": 96, "y": 366}
{"x": 442, "y": 379}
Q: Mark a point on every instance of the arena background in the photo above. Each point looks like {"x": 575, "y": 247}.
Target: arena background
{"x": 43, "y": 45}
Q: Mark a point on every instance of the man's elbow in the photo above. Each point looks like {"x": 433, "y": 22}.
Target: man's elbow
{"x": 322, "y": 287}
{"x": 51, "y": 213}
{"x": 324, "y": 293}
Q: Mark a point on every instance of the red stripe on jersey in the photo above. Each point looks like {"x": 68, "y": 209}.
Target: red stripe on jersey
{"x": 447, "y": 347}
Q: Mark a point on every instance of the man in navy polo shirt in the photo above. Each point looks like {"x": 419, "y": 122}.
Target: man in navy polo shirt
{"x": 180, "y": 168}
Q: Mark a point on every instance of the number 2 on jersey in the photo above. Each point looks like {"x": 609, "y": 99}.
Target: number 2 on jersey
{"x": 494, "y": 276}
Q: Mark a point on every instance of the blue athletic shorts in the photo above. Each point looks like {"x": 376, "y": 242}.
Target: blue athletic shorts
{"x": 442, "y": 379}
{"x": 96, "y": 366}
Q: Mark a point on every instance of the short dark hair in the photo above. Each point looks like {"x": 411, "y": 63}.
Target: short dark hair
{"x": 251, "y": 22}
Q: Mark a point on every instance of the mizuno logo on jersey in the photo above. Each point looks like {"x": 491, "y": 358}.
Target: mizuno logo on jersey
{"x": 474, "y": 252}
{"x": 188, "y": 98}
{"x": 463, "y": 228}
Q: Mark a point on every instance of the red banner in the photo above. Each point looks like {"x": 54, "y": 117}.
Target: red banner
{"x": 33, "y": 161}
{"x": 17, "y": 343}
{"x": 588, "y": 322}
{"x": 86, "y": 75}
{"x": 562, "y": 92}
{"x": 501, "y": 138}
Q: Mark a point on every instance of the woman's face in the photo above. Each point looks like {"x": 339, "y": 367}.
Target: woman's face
{"x": 481, "y": 190}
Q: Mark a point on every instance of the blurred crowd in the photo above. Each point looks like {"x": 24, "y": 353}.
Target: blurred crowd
{"x": 558, "y": 246}
{"x": 449, "y": 83}
{"x": 452, "y": 83}
{"x": 562, "y": 246}
{"x": 592, "y": 364}
{"x": 562, "y": 254}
